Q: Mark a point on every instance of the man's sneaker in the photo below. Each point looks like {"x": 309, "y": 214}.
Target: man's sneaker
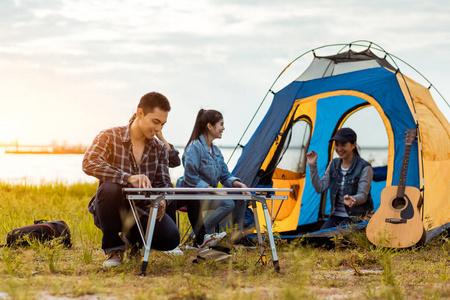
{"x": 176, "y": 251}
{"x": 212, "y": 240}
{"x": 114, "y": 259}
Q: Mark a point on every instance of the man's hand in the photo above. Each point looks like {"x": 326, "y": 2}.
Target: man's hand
{"x": 140, "y": 181}
{"x": 161, "y": 210}
{"x": 311, "y": 157}
{"x": 349, "y": 201}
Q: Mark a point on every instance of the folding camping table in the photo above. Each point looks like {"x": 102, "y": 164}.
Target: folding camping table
{"x": 156, "y": 195}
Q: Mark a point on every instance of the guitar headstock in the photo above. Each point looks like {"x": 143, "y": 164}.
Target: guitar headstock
{"x": 410, "y": 136}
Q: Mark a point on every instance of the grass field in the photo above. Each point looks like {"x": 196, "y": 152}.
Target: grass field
{"x": 356, "y": 271}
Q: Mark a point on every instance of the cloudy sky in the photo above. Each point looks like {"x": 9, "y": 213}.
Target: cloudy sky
{"x": 71, "y": 68}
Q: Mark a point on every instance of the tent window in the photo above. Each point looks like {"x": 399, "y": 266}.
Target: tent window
{"x": 372, "y": 137}
{"x": 294, "y": 149}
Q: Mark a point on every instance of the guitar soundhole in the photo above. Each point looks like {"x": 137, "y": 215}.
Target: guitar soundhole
{"x": 398, "y": 203}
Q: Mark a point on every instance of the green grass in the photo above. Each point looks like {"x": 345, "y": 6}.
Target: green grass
{"x": 356, "y": 271}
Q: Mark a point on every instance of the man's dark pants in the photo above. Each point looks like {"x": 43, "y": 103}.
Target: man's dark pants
{"x": 112, "y": 214}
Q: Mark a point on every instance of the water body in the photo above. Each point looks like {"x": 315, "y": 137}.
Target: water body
{"x": 66, "y": 168}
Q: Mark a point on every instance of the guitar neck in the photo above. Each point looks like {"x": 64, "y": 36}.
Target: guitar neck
{"x": 405, "y": 163}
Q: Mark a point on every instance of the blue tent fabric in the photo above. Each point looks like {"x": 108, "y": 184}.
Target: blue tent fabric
{"x": 378, "y": 83}
{"x": 379, "y": 173}
{"x": 257, "y": 148}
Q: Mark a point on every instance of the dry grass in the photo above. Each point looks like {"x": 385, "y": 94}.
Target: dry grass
{"x": 357, "y": 271}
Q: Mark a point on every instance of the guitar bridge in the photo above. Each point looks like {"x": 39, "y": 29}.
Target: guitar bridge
{"x": 395, "y": 220}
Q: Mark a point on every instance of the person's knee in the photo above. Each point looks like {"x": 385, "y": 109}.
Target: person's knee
{"x": 110, "y": 205}
{"x": 109, "y": 192}
{"x": 228, "y": 205}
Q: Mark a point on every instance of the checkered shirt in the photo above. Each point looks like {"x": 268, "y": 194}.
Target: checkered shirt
{"x": 110, "y": 159}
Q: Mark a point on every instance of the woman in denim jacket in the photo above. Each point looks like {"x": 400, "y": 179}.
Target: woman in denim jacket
{"x": 204, "y": 167}
{"x": 348, "y": 177}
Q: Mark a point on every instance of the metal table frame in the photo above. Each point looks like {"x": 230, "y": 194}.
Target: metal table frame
{"x": 258, "y": 195}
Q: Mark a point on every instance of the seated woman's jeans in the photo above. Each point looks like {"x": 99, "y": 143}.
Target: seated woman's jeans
{"x": 220, "y": 213}
{"x": 218, "y": 210}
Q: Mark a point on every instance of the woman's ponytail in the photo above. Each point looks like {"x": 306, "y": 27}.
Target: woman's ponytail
{"x": 204, "y": 116}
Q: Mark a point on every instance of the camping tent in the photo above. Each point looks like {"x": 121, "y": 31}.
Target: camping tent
{"x": 306, "y": 113}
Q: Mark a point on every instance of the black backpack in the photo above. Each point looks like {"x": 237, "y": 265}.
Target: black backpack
{"x": 41, "y": 231}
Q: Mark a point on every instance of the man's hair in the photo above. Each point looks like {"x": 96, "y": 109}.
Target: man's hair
{"x": 152, "y": 100}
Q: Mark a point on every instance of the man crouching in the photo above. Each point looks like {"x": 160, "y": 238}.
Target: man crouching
{"x": 131, "y": 156}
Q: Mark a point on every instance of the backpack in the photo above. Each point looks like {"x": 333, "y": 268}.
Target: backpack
{"x": 41, "y": 231}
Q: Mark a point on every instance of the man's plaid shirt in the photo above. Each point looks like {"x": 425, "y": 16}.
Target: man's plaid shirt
{"x": 110, "y": 159}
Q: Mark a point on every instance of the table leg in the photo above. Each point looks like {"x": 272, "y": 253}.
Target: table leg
{"x": 149, "y": 232}
{"x": 270, "y": 234}
{"x": 258, "y": 231}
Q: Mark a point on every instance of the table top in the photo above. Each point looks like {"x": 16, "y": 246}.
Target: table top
{"x": 205, "y": 190}
{"x": 204, "y": 197}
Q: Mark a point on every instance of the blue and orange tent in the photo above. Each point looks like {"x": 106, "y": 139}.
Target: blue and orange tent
{"x": 306, "y": 113}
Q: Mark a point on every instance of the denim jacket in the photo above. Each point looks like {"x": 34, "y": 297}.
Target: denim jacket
{"x": 201, "y": 169}
{"x": 357, "y": 184}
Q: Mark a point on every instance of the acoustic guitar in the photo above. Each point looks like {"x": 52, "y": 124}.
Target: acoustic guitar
{"x": 397, "y": 222}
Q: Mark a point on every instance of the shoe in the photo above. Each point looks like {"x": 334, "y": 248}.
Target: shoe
{"x": 114, "y": 259}
{"x": 211, "y": 240}
{"x": 176, "y": 251}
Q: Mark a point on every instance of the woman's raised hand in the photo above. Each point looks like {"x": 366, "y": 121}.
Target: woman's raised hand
{"x": 311, "y": 157}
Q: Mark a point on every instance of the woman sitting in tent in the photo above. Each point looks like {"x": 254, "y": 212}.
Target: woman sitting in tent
{"x": 348, "y": 177}
{"x": 204, "y": 167}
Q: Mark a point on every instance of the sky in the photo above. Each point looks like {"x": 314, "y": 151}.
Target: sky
{"x": 69, "y": 69}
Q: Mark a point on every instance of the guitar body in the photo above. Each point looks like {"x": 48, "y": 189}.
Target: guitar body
{"x": 397, "y": 222}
